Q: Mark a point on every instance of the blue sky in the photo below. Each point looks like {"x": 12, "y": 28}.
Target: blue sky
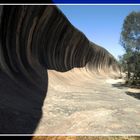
{"x": 101, "y": 24}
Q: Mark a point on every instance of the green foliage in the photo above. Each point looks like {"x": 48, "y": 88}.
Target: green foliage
{"x": 130, "y": 40}
{"x": 130, "y": 35}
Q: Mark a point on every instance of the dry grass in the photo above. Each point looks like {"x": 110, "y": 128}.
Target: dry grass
{"x": 86, "y": 138}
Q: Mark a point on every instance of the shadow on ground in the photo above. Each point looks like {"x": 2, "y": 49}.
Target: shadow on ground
{"x": 120, "y": 85}
{"x": 135, "y": 95}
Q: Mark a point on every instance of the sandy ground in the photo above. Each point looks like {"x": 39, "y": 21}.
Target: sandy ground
{"x": 79, "y": 102}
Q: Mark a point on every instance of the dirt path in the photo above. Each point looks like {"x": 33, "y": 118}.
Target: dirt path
{"x": 87, "y": 104}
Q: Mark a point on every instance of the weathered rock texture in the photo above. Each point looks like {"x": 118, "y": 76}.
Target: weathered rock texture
{"x": 34, "y": 39}
{"x": 40, "y": 37}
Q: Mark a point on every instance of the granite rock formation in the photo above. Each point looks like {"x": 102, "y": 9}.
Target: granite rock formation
{"x": 34, "y": 39}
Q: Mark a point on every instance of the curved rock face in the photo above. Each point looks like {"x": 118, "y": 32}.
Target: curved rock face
{"x": 34, "y": 39}
{"x": 36, "y": 36}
